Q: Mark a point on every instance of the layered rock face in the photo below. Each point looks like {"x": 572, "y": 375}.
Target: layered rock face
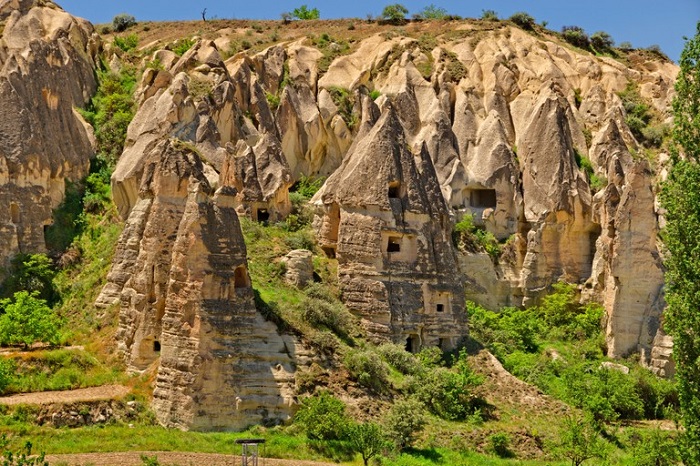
{"x": 187, "y": 304}
{"x": 383, "y": 216}
{"x": 47, "y": 63}
{"x": 497, "y": 130}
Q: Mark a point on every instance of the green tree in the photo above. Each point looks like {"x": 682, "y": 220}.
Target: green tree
{"x": 303, "y": 12}
{"x": 580, "y": 441}
{"x": 368, "y": 439}
{"x": 322, "y": 417}
{"x": 433, "y": 12}
{"x": 27, "y": 319}
{"x": 404, "y": 421}
{"x": 122, "y": 22}
{"x": 394, "y": 13}
{"x": 681, "y": 199}
{"x": 32, "y": 273}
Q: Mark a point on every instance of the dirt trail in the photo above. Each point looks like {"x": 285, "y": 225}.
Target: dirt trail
{"x": 133, "y": 458}
{"x": 105, "y": 392}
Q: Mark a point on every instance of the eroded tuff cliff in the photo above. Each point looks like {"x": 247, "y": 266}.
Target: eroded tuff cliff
{"x": 47, "y": 69}
{"x": 492, "y": 122}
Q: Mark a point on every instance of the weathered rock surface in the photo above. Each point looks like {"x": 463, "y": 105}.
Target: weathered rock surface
{"x": 383, "y": 216}
{"x": 47, "y": 63}
{"x": 187, "y": 305}
{"x": 299, "y": 267}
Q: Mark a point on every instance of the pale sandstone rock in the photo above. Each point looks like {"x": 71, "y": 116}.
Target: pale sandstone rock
{"x": 299, "y": 267}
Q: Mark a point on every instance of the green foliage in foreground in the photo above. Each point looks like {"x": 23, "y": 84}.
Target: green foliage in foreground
{"x": 681, "y": 199}
{"x": 27, "y": 319}
{"x": 304, "y": 13}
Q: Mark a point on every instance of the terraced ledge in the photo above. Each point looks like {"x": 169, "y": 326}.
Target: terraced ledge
{"x": 105, "y": 392}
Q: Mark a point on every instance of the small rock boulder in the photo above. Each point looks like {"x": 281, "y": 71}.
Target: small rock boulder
{"x": 299, "y": 267}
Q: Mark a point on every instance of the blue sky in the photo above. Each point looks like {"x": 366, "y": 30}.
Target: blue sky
{"x": 641, "y": 22}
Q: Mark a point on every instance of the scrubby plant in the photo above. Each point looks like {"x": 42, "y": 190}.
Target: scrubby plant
{"x": 489, "y": 15}
{"x": 127, "y": 43}
{"x": 26, "y": 319}
{"x": 304, "y": 13}
{"x": 122, "y": 22}
{"x": 368, "y": 369}
{"x": 404, "y": 421}
{"x": 344, "y": 100}
{"x": 399, "y": 358}
{"x": 33, "y": 273}
{"x": 449, "y": 392}
{"x": 20, "y": 457}
{"x": 580, "y": 441}
{"x": 368, "y": 439}
{"x": 322, "y": 417}
{"x": 499, "y": 443}
{"x": 524, "y": 20}
{"x": 471, "y": 238}
{"x": 394, "y": 13}
{"x": 601, "y": 41}
{"x": 576, "y": 36}
{"x": 433, "y": 12}
{"x": 183, "y": 45}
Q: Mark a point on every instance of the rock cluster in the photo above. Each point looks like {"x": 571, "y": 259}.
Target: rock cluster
{"x": 47, "y": 63}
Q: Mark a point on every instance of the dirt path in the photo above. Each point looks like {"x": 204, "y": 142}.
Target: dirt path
{"x": 168, "y": 458}
{"x": 105, "y": 392}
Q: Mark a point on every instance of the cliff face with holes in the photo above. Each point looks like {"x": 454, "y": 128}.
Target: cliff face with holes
{"x": 412, "y": 133}
{"x": 47, "y": 62}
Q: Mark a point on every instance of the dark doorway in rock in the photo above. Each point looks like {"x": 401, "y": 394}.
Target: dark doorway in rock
{"x": 483, "y": 198}
{"x": 156, "y": 346}
{"x": 240, "y": 277}
{"x": 413, "y": 344}
{"x": 263, "y": 215}
{"x": 440, "y": 308}
{"x": 394, "y": 190}
{"x": 329, "y": 251}
{"x": 394, "y": 244}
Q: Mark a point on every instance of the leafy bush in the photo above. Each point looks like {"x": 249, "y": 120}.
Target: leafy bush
{"x": 576, "y": 36}
{"x": 509, "y": 330}
{"x": 322, "y": 417}
{"x": 33, "y": 273}
{"x": 7, "y": 373}
{"x": 601, "y": 41}
{"x": 471, "y": 238}
{"x": 183, "y": 45}
{"x": 655, "y": 448}
{"x": 26, "y": 320}
{"x": 122, "y": 22}
{"x": 344, "y": 100}
{"x": 368, "y": 369}
{"x": 21, "y": 457}
{"x": 368, "y": 439}
{"x": 580, "y": 441}
{"x": 127, "y": 43}
{"x": 448, "y": 393}
{"x": 499, "y": 443}
{"x": 433, "y": 12}
{"x": 489, "y": 15}
{"x": 404, "y": 421}
{"x": 523, "y": 20}
{"x": 307, "y": 186}
{"x": 320, "y": 309}
{"x": 395, "y": 13}
{"x": 399, "y": 358}
{"x": 303, "y": 12}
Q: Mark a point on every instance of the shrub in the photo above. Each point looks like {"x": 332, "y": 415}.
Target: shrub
{"x": 471, "y": 238}
{"x": 499, "y": 444}
{"x": 489, "y": 15}
{"x": 321, "y": 309}
{"x": 576, "y": 36}
{"x": 395, "y": 13}
{"x": 21, "y": 457}
{"x": 433, "y": 12}
{"x": 344, "y": 100}
{"x": 404, "y": 421}
{"x": 322, "y": 417}
{"x": 655, "y": 448}
{"x": 122, "y": 22}
{"x": 26, "y": 320}
{"x": 303, "y": 12}
{"x": 7, "y": 373}
{"x": 580, "y": 441}
{"x": 399, "y": 358}
{"x": 602, "y": 41}
{"x": 368, "y": 439}
{"x": 33, "y": 273}
{"x": 523, "y": 20}
{"x": 127, "y": 43}
{"x": 448, "y": 393}
{"x": 368, "y": 369}
{"x": 182, "y": 46}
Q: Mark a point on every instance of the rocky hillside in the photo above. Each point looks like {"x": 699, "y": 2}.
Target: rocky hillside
{"x": 547, "y": 156}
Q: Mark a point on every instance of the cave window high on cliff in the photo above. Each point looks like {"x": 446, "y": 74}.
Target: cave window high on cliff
{"x": 394, "y": 190}
{"x": 413, "y": 343}
{"x": 156, "y": 346}
{"x": 483, "y": 198}
{"x": 440, "y": 308}
{"x": 14, "y": 213}
{"x": 394, "y": 244}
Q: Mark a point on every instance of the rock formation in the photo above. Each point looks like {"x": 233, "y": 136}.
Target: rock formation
{"x": 47, "y": 63}
{"x": 383, "y": 216}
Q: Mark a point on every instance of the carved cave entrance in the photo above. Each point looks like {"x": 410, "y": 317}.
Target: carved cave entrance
{"x": 413, "y": 343}
{"x": 262, "y": 215}
{"x": 482, "y": 198}
{"x": 240, "y": 277}
{"x": 14, "y": 213}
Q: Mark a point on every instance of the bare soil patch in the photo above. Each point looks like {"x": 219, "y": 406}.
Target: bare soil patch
{"x": 133, "y": 458}
{"x": 105, "y": 392}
